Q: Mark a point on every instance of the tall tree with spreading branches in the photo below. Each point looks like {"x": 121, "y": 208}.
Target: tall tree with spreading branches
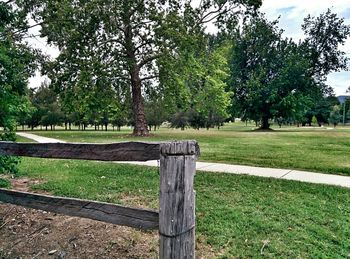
{"x": 122, "y": 41}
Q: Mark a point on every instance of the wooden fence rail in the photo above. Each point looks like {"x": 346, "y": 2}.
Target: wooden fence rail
{"x": 101, "y": 211}
{"x": 176, "y": 217}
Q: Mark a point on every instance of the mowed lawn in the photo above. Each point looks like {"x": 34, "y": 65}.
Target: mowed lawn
{"x": 313, "y": 149}
{"x": 236, "y": 214}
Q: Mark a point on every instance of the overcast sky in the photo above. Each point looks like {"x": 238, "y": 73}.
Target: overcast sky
{"x": 291, "y": 13}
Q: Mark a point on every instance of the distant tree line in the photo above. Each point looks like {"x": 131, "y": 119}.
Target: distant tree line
{"x": 45, "y": 110}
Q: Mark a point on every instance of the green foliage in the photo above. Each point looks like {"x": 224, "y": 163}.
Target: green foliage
{"x": 268, "y": 73}
{"x": 16, "y": 66}
{"x": 323, "y": 108}
{"x": 273, "y": 77}
{"x": 324, "y": 34}
{"x": 180, "y": 120}
{"x": 196, "y": 79}
{"x": 347, "y": 116}
{"x": 134, "y": 50}
{"x": 4, "y": 183}
{"x": 335, "y": 116}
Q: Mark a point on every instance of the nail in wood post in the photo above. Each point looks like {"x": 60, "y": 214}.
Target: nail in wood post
{"x": 177, "y": 200}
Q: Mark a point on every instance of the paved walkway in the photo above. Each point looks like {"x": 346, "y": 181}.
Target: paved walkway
{"x": 39, "y": 138}
{"x": 287, "y": 174}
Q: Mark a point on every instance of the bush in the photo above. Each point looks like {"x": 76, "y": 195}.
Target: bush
{"x": 8, "y": 164}
{"x": 4, "y": 183}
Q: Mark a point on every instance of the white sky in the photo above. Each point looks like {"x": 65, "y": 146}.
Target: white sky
{"x": 291, "y": 12}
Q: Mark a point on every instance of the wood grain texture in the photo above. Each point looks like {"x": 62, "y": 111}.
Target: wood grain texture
{"x": 177, "y": 203}
{"x": 124, "y": 151}
{"x": 106, "y": 212}
{"x": 187, "y": 147}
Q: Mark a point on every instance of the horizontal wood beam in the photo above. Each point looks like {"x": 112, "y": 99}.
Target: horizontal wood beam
{"x": 123, "y": 151}
{"x": 101, "y": 211}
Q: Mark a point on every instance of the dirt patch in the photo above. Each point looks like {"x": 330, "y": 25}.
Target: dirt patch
{"x": 23, "y": 184}
{"x": 29, "y": 233}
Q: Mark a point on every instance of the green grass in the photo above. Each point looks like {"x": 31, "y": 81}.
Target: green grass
{"x": 235, "y": 213}
{"x": 313, "y": 149}
{"x": 22, "y": 139}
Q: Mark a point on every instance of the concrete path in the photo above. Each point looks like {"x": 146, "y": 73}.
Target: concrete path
{"x": 39, "y": 138}
{"x": 286, "y": 174}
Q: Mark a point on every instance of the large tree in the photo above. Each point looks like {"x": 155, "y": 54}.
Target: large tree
{"x": 324, "y": 35}
{"x": 267, "y": 72}
{"x": 17, "y": 63}
{"x": 122, "y": 41}
{"x": 274, "y": 77}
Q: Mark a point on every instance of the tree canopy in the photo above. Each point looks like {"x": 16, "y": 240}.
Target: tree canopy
{"x": 17, "y": 63}
{"x": 117, "y": 44}
{"x": 273, "y": 77}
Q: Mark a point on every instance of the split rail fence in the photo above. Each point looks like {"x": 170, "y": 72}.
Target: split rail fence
{"x": 176, "y": 217}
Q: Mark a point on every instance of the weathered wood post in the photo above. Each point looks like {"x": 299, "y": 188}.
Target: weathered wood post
{"x": 177, "y": 199}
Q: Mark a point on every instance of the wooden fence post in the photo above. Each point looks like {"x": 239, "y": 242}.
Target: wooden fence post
{"x": 177, "y": 200}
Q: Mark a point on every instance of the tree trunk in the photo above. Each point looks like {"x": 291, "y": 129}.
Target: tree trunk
{"x": 140, "y": 124}
{"x": 265, "y": 122}
{"x": 140, "y": 127}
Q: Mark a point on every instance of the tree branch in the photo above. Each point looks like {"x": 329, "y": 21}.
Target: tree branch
{"x": 141, "y": 23}
{"x": 148, "y": 42}
{"x": 27, "y": 28}
{"x": 221, "y": 10}
{"x": 210, "y": 13}
{"x": 113, "y": 40}
{"x": 149, "y": 59}
{"x": 149, "y": 77}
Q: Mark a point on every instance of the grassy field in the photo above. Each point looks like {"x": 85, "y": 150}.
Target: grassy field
{"x": 235, "y": 214}
{"x": 314, "y": 149}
